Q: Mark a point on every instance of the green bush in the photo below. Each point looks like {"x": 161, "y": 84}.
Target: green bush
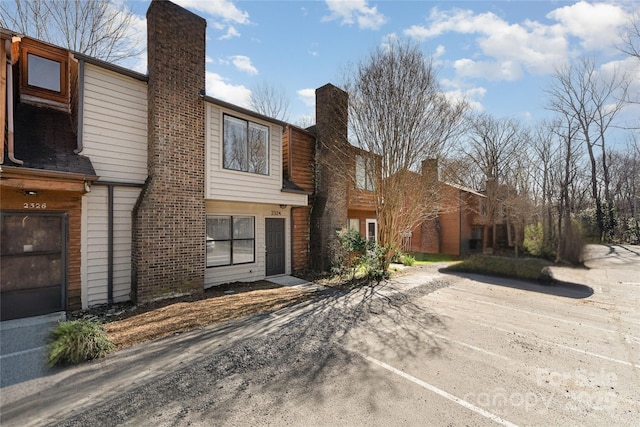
{"x": 77, "y": 341}
{"x": 521, "y": 268}
{"x": 407, "y": 260}
{"x": 534, "y": 242}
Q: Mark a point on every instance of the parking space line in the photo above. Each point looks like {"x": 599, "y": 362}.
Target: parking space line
{"x": 438, "y": 391}
{"x": 577, "y": 350}
{"x": 610, "y": 331}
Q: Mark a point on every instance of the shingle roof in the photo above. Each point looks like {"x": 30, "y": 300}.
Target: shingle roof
{"x": 45, "y": 139}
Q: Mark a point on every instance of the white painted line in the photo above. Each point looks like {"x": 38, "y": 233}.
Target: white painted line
{"x": 23, "y": 352}
{"x": 610, "y": 331}
{"x": 472, "y": 347}
{"x": 438, "y": 391}
{"x": 577, "y": 350}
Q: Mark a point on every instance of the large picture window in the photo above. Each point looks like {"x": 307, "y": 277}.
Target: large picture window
{"x": 246, "y": 146}
{"x": 230, "y": 240}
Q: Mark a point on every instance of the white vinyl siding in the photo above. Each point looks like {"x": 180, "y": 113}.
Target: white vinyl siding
{"x": 114, "y": 132}
{"x": 237, "y": 186}
{"x": 256, "y": 270}
{"x": 95, "y": 272}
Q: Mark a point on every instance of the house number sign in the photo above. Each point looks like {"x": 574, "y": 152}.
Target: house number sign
{"x": 276, "y": 213}
{"x": 34, "y": 205}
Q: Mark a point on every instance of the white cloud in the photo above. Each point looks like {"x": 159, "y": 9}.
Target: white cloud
{"x": 458, "y": 93}
{"x": 440, "y": 50}
{"x": 243, "y": 63}
{"x": 308, "y": 96}
{"x": 508, "y": 50}
{"x": 231, "y": 32}
{"x": 223, "y": 9}
{"x": 218, "y": 87}
{"x": 355, "y": 11}
{"x": 596, "y": 24}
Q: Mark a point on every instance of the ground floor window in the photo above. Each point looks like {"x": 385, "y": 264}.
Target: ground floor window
{"x": 354, "y": 224}
{"x": 230, "y": 240}
{"x": 372, "y": 229}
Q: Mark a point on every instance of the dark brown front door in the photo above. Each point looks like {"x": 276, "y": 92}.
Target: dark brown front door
{"x": 274, "y": 234}
{"x": 32, "y": 263}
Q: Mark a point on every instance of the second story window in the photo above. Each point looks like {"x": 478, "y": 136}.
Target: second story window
{"x": 363, "y": 174}
{"x": 44, "y": 71}
{"x": 246, "y": 146}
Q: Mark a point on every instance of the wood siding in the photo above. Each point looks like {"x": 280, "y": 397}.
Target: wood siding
{"x": 256, "y": 270}
{"x": 236, "y": 186}
{"x": 13, "y": 199}
{"x": 114, "y": 132}
{"x": 299, "y": 161}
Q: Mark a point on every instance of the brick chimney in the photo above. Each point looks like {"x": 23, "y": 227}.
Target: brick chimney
{"x": 430, "y": 170}
{"x": 329, "y": 212}
{"x": 169, "y": 218}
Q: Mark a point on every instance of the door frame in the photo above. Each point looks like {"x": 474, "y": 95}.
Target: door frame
{"x": 284, "y": 247}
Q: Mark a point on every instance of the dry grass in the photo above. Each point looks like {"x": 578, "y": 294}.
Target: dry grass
{"x": 215, "y": 306}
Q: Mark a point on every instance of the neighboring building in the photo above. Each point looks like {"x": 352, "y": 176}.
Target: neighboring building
{"x": 456, "y": 217}
{"x": 42, "y": 179}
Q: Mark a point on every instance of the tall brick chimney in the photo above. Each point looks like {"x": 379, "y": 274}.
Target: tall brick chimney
{"x": 329, "y": 212}
{"x": 169, "y": 218}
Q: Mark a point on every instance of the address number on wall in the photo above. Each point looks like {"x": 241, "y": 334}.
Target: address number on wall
{"x": 276, "y": 213}
{"x": 34, "y": 205}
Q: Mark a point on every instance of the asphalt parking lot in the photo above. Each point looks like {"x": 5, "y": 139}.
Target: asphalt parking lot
{"x": 423, "y": 349}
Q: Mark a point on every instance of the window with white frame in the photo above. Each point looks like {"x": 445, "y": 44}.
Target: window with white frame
{"x": 354, "y": 224}
{"x": 363, "y": 173}
{"x": 372, "y": 229}
{"x": 246, "y": 146}
{"x": 230, "y": 240}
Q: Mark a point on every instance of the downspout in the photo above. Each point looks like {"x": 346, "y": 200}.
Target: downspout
{"x": 80, "y": 106}
{"x": 460, "y": 220}
{"x": 110, "y": 245}
{"x": 10, "y": 136}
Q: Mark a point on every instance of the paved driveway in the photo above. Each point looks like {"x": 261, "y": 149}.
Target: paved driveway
{"x": 424, "y": 349}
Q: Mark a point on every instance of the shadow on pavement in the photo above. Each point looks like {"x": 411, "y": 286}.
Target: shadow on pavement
{"x": 557, "y": 288}
{"x": 209, "y": 372}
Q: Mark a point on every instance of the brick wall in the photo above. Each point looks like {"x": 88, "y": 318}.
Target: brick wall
{"x": 169, "y": 218}
{"x": 330, "y": 203}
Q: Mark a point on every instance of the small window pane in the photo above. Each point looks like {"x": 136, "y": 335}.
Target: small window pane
{"x": 43, "y": 73}
{"x": 218, "y": 253}
{"x": 242, "y": 251}
{"x": 218, "y": 228}
{"x": 243, "y": 227}
{"x": 235, "y": 144}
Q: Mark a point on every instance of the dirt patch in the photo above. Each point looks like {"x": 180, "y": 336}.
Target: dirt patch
{"x": 127, "y": 325}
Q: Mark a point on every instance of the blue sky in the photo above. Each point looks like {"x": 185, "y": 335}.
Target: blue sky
{"x": 497, "y": 54}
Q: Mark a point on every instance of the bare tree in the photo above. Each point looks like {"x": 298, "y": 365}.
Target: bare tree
{"x": 399, "y": 115}
{"x": 593, "y": 101}
{"x": 98, "y": 28}
{"x": 493, "y": 146}
{"x": 631, "y": 36}
{"x": 272, "y": 101}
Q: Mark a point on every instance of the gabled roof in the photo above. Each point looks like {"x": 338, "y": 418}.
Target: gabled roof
{"x": 465, "y": 189}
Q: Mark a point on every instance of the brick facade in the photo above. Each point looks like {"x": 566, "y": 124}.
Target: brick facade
{"x": 329, "y": 212}
{"x": 169, "y": 220}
